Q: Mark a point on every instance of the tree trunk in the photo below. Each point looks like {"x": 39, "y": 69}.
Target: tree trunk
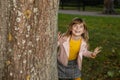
{"x": 109, "y": 7}
{"x": 29, "y": 39}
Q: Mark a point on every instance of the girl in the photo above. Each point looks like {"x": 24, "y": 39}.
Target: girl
{"x": 72, "y": 47}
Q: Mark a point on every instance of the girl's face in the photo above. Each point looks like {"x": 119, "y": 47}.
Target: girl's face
{"x": 77, "y": 29}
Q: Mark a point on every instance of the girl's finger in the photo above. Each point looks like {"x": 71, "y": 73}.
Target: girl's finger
{"x": 98, "y": 48}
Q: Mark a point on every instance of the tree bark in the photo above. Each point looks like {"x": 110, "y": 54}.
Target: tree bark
{"x": 3, "y": 35}
{"x": 30, "y": 39}
{"x": 109, "y": 7}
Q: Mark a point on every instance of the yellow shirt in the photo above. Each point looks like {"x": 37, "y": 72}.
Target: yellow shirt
{"x": 74, "y": 49}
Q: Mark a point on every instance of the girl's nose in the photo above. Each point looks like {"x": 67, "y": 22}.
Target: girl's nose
{"x": 77, "y": 27}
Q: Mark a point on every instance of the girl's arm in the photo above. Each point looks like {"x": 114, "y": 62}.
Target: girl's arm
{"x": 92, "y": 54}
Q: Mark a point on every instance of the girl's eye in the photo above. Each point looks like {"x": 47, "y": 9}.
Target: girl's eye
{"x": 76, "y": 25}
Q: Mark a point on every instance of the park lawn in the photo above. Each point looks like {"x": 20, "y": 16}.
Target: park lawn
{"x": 104, "y": 32}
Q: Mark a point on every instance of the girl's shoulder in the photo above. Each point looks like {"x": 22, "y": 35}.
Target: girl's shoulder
{"x": 84, "y": 42}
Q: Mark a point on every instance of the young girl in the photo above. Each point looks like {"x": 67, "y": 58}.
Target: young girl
{"x": 72, "y": 47}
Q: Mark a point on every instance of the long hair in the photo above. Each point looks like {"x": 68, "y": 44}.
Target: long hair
{"x": 78, "y": 21}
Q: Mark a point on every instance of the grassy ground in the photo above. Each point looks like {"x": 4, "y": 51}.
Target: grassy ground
{"x": 105, "y": 32}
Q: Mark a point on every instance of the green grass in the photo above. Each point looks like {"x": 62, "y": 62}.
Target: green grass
{"x": 105, "y": 32}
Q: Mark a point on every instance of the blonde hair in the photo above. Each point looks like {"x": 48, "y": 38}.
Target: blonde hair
{"x": 78, "y": 21}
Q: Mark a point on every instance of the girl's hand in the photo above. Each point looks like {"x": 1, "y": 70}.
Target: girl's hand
{"x": 60, "y": 38}
{"x": 59, "y": 35}
{"x": 96, "y": 51}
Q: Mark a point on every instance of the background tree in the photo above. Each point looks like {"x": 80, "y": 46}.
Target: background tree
{"x": 28, "y": 32}
{"x": 109, "y": 7}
